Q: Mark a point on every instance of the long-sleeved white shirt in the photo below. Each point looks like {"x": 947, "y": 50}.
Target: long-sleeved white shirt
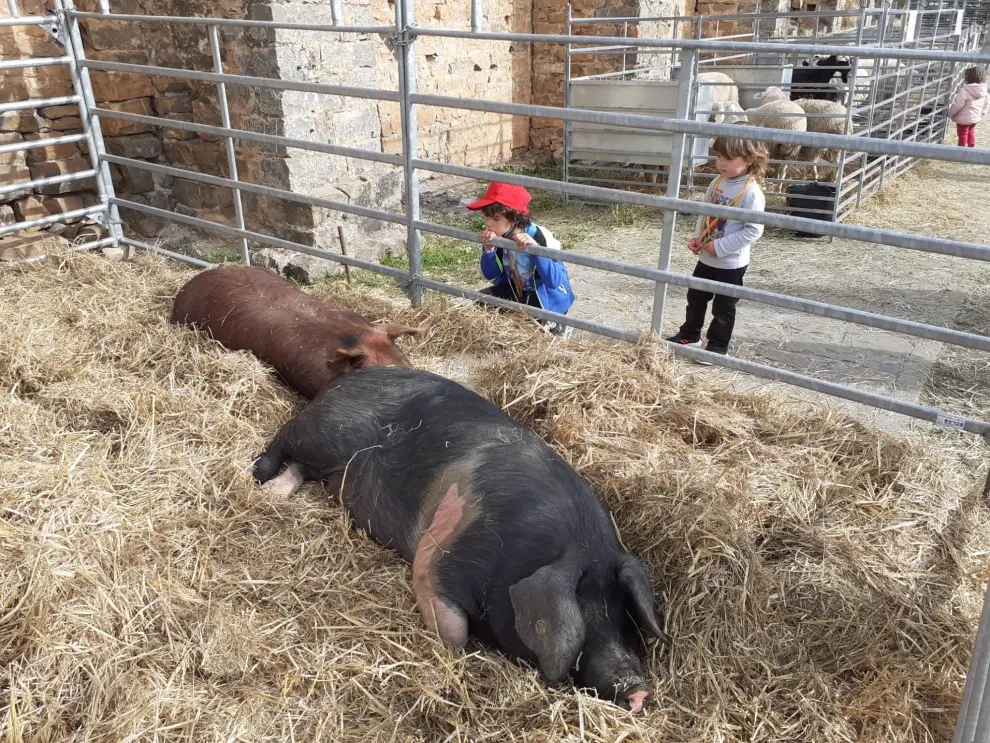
{"x": 731, "y": 237}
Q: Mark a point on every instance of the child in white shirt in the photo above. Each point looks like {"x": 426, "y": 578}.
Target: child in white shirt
{"x": 722, "y": 245}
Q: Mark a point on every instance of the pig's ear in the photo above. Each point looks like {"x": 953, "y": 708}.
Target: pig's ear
{"x": 633, "y": 580}
{"x": 346, "y": 358}
{"x": 548, "y": 618}
{"x": 396, "y": 331}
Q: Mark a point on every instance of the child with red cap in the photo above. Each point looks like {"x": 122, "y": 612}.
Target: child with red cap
{"x": 518, "y": 276}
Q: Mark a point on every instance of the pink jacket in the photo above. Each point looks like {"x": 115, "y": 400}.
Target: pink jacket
{"x": 970, "y": 104}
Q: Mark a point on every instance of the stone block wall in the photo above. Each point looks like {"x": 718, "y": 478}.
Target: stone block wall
{"x": 451, "y": 67}
{"x": 456, "y": 67}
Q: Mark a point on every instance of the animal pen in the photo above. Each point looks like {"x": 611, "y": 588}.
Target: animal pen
{"x": 887, "y": 97}
{"x": 903, "y": 68}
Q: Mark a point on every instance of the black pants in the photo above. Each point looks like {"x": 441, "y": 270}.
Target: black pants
{"x": 505, "y": 291}
{"x": 723, "y": 308}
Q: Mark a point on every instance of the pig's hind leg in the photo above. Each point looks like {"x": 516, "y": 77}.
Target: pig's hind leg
{"x": 283, "y": 485}
{"x": 439, "y": 614}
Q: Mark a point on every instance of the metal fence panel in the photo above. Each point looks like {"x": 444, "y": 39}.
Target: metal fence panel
{"x": 908, "y": 76}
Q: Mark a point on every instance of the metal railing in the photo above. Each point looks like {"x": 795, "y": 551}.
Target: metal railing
{"x": 402, "y": 39}
{"x": 886, "y": 97}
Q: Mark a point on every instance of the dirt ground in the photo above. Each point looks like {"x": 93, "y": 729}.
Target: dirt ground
{"x": 934, "y": 199}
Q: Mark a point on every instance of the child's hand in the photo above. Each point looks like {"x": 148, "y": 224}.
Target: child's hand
{"x": 694, "y": 246}
{"x": 488, "y": 236}
{"x": 522, "y": 239}
{"x": 709, "y": 248}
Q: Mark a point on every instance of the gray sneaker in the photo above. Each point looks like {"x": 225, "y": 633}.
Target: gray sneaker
{"x": 558, "y": 330}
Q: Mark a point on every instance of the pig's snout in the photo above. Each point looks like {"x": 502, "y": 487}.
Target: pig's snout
{"x": 635, "y": 699}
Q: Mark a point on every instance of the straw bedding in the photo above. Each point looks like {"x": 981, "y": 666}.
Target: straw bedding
{"x": 822, "y": 580}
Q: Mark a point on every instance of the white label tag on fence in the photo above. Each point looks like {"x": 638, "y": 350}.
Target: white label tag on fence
{"x": 950, "y": 421}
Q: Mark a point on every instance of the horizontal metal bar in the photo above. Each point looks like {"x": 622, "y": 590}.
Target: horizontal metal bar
{"x": 808, "y": 306}
{"x": 31, "y": 104}
{"x": 167, "y": 253}
{"x": 34, "y": 144}
{"x": 260, "y": 237}
{"x": 22, "y": 64}
{"x": 52, "y": 219}
{"x": 707, "y": 130}
{"x": 693, "y": 19}
{"x": 234, "y": 22}
{"x": 710, "y": 45}
{"x": 872, "y": 399}
{"x": 42, "y": 182}
{"x": 219, "y": 131}
{"x": 106, "y": 241}
{"x": 623, "y": 73}
{"x": 591, "y": 327}
{"x": 259, "y": 82}
{"x": 599, "y": 49}
{"x": 277, "y": 193}
{"x": 93, "y": 245}
{"x": 27, "y": 20}
{"x": 864, "y": 234}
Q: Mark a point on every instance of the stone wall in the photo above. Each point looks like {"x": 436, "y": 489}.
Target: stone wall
{"x": 548, "y": 59}
{"x": 449, "y": 67}
{"x": 472, "y": 69}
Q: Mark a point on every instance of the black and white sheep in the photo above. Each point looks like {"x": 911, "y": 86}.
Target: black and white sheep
{"x": 814, "y": 82}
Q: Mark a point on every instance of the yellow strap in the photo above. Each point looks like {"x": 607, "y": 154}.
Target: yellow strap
{"x": 515, "y": 277}
{"x": 709, "y": 224}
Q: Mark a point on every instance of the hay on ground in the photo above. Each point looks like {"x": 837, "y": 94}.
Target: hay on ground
{"x": 822, "y": 580}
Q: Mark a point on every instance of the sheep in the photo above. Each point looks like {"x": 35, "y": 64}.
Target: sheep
{"x": 727, "y": 112}
{"x": 833, "y": 122}
{"x": 780, "y": 114}
{"x": 723, "y": 87}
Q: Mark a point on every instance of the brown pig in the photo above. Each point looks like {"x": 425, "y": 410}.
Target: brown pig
{"x": 307, "y": 340}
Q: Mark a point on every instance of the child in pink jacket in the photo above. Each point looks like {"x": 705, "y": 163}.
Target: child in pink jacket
{"x": 970, "y": 105}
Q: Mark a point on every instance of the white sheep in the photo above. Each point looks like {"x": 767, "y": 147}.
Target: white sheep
{"x": 830, "y": 119}
{"x": 824, "y": 117}
{"x": 723, "y": 87}
{"x": 779, "y": 114}
{"x": 771, "y": 94}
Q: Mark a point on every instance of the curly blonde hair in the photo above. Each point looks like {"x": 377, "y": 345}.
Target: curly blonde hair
{"x": 753, "y": 152}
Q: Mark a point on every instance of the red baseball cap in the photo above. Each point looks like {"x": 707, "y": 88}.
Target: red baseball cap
{"x": 511, "y": 197}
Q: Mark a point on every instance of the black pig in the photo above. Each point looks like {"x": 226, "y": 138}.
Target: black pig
{"x": 505, "y": 539}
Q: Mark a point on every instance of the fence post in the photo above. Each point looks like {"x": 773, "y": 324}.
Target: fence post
{"x": 975, "y": 707}
{"x": 566, "y": 171}
{"x": 477, "y": 15}
{"x": 405, "y": 18}
{"x": 684, "y": 92}
{"x": 91, "y": 124}
{"x": 877, "y": 71}
{"x": 850, "y": 104}
{"x": 225, "y": 122}
{"x": 944, "y": 118}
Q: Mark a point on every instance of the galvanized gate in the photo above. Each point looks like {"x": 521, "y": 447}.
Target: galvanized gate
{"x": 974, "y": 720}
